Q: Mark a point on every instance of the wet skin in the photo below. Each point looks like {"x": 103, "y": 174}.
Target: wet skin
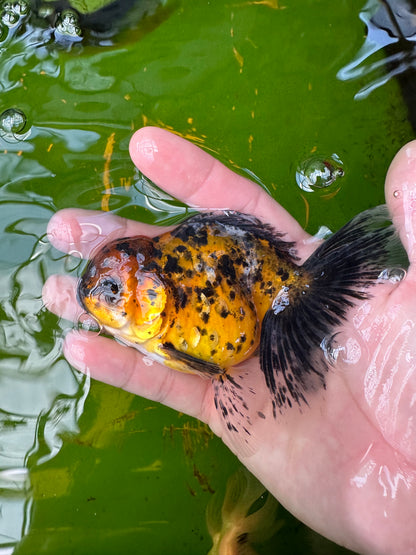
{"x": 346, "y": 466}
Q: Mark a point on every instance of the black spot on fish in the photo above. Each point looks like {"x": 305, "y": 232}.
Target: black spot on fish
{"x": 208, "y": 291}
{"x": 181, "y": 248}
{"x": 157, "y": 253}
{"x": 230, "y": 346}
{"x": 189, "y": 274}
{"x": 171, "y": 266}
{"x": 226, "y": 267}
{"x": 224, "y": 313}
{"x": 258, "y": 275}
{"x": 284, "y": 276}
{"x": 204, "y": 317}
{"x": 182, "y": 297}
{"x": 201, "y": 238}
{"x": 125, "y": 247}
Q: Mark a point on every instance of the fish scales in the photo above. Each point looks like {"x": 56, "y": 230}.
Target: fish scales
{"x": 195, "y": 295}
{"x": 223, "y": 286}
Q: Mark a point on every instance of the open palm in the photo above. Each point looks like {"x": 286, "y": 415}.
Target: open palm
{"x": 346, "y": 464}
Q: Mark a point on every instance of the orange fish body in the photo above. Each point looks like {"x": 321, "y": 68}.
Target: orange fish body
{"x": 223, "y": 286}
{"x": 193, "y": 298}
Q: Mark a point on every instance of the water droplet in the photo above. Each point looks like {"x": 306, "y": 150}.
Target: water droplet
{"x": 194, "y": 337}
{"x": 86, "y": 322}
{"x": 183, "y": 344}
{"x": 281, "y": 301}
{"x": 394, "y": 275}
{"x": 331, "y": 348}
{"x": 347, "y": 350}
{"x": 213, "y": 338}
{"x": 318, "y": 172}
{"x": 148, "y": 361}
{"x": 397, "y": 194}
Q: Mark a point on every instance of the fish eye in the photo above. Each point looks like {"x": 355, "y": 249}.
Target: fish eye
{"x": 111, "y": 284}
{"x": 111, "y": 289}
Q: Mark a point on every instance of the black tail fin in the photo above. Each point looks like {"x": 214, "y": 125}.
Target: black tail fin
{"x": 341, "y": 269}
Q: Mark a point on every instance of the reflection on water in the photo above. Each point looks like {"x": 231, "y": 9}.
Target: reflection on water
{"x": 68, "y": 22}
{"x": 227, "y": 81}
{"x": 42, "y": 398}
{"x": 391, "y": 25}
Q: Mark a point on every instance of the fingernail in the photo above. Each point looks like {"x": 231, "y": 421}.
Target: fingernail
{"x": 60, "y": 234}
{"x": 146, "y": 148}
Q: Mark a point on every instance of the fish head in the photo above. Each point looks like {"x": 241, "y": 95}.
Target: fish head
{"x": 126, "y": 298}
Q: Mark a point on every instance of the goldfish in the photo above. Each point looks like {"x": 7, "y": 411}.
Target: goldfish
{"x": 223, "y": 286}
{"x": 248, "y": 515}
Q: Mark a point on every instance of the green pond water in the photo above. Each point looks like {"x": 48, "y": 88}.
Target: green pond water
{"x": 86, "y": 468}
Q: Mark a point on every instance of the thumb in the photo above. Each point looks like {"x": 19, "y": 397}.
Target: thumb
{"x": 400, "y": 190}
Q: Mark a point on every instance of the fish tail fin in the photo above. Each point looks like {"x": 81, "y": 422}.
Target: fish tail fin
{"x": 340, "y": 272}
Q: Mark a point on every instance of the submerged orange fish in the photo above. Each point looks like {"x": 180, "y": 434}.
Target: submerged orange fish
{"x": 222, "y": 286}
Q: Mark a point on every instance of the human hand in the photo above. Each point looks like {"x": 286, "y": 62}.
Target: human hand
{"x": 346, "y": 464}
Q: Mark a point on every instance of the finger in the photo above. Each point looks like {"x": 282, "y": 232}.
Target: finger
{"x": 107, "y": 361}
{"x": 400, "y": 190}
{"x": 59, "y": 296}
{"x": 196, "y": 178}
{"x": 79, "y": 232}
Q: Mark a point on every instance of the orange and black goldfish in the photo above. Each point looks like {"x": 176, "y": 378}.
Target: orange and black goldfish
{"x": 223, "y": 286}
{"x": 249, "y": 514}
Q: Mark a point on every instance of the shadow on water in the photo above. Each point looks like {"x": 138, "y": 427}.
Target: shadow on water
{"x": 82, "y": 464}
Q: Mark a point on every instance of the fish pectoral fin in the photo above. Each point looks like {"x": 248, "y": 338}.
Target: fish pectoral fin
{"x": 188, "y": 363}
{"x": 231, "y": 398}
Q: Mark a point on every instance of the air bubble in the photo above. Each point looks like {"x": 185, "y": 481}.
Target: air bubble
{"x": 319, "y": 172}
{"x": 397, "y": 194}
{"x": 12, "y": 126}
{"x": 12, "y": 121}
{"x": 86, "y": 322}
{"x": 9, "y": 17}
{"x": 67, "y": 26}
{"x": 394, "y": 275}
{"x": 21, "y": 7}
{"x": 73, "y": 261}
